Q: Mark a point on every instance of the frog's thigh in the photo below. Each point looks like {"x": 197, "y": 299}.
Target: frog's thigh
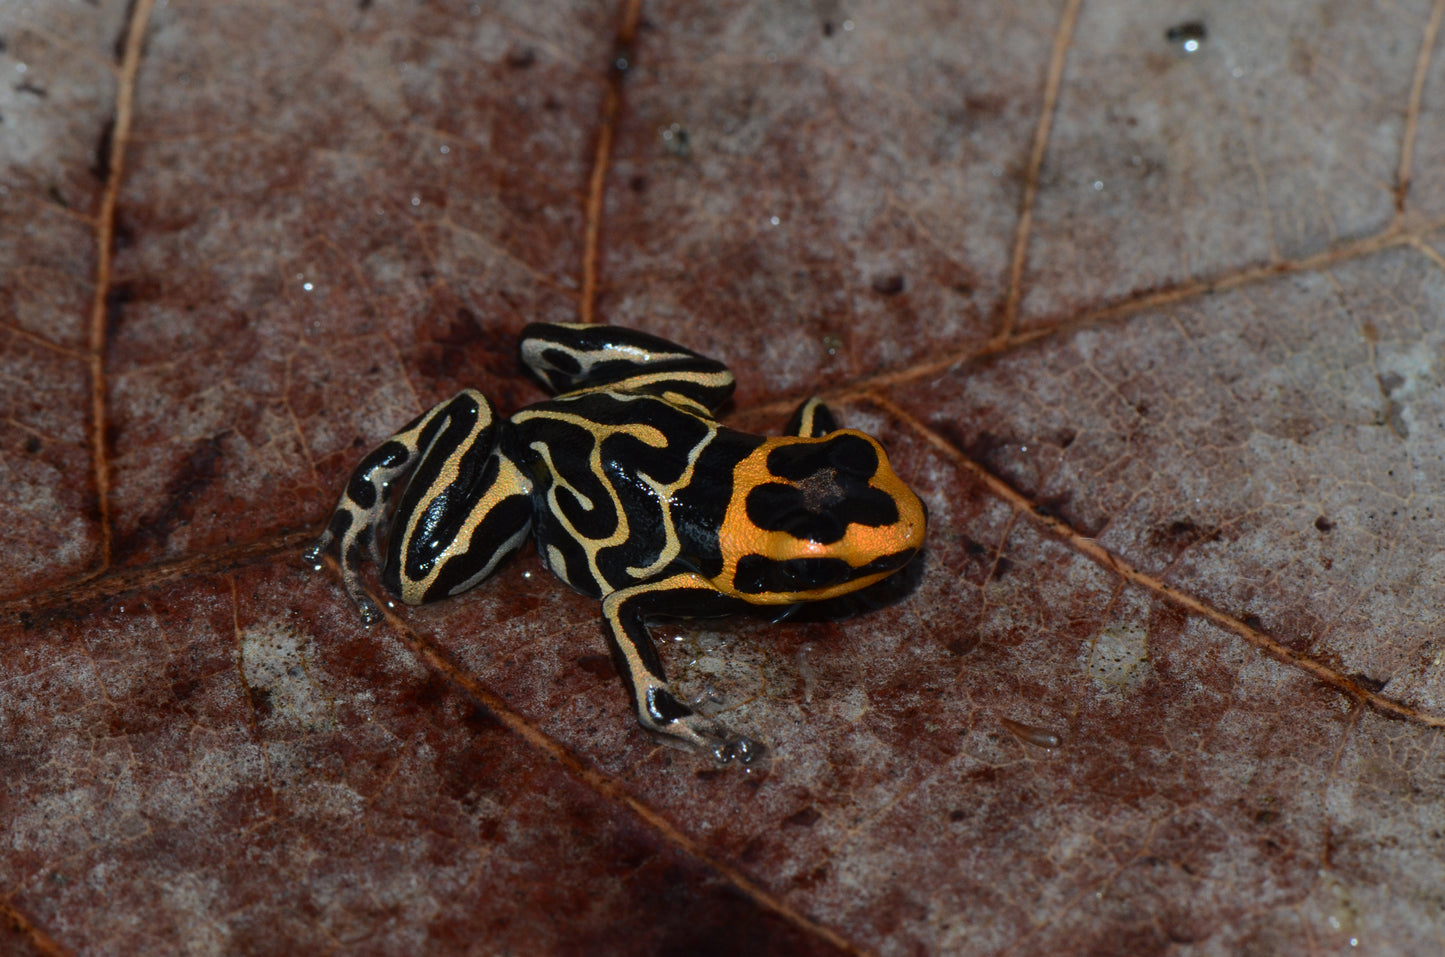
{"x": 624, "y": 613}
{"x": 812, "y": 420}
{"x": 452, "y": 544}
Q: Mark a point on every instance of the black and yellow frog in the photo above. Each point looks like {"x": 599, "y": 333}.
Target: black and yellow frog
{"x": 636, "y": 495}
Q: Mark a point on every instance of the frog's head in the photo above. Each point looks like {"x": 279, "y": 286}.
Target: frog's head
{"x": 813, "y": 518}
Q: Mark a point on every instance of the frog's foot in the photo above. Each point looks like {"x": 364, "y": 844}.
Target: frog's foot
{"x": 350, "y": 569}
{"x": 312, "y": 555}
{"x": 658, "y": 709}
{"x": 697, "y": 732}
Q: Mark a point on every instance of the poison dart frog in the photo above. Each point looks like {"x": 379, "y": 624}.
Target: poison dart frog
{"x": 636, "y": 495}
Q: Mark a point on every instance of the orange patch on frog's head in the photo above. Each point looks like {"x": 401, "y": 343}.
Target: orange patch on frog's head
{"x": 813, "y": 518}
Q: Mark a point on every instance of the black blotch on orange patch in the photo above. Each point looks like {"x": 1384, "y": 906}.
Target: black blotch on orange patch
{"x": 757, "y": 574}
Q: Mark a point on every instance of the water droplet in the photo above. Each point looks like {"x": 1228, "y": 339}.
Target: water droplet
{"x": 21, "y": 68}
{"x": 1191, "y": 46}
{"x": 446, "y": 149}
{"x": 416, "y": 200}
{"x": 774, "y": 220}
{"x": 848, "y": 26}
{"x": 674, "y": 138}
{"x": 1098, "y": 185}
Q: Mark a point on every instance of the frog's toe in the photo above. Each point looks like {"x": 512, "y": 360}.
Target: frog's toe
{"x": 312, "y": 555}
{"x": 698, "y": 733}
{"x": 370, "y": 613}
{"x": 742, "y": 749}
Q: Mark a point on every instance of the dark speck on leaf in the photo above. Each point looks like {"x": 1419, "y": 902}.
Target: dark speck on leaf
{"x": 962, "y": 646}
{"x": 33, "y": 445}
{"x": 622, "y": 58}
{"x": 890, "y": 285}
{"x": 807, "y": 817}
{"x": 1367, "y": 682}
{"x": 598, "y": 666}
{"x": 521, "y": 59}
{"x": 1324, "y": 524}
{"x": 1186, "y": 31}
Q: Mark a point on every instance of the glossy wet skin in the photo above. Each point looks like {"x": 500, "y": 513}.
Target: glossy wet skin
{"x": 635, "y": 495}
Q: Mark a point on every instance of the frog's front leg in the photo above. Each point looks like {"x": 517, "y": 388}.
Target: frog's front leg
{"x": 812, "y": 420}
{"x": 624, "y": 614}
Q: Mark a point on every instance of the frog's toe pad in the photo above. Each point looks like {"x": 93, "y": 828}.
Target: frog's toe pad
{"x": 742, "y": 749}
{"x": 313, "y": 553}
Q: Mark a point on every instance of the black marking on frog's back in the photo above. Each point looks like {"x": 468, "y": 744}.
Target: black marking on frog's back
{"x": 846, "y": 453}
{"x": 821, "y": 483}
{"x": 620, "y": 468}
{"x": 699, "y": 508}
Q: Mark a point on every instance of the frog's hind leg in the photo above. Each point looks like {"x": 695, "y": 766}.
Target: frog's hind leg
{"x": 624, "y": 614}
{"x": 812, "y": 420}
{"x": 571, "y": 357}
{"x": 359, "y": 522}
{"x": 467, "y": 507}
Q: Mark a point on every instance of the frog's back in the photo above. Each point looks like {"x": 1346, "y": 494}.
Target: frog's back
{"x": 627, "y": 485}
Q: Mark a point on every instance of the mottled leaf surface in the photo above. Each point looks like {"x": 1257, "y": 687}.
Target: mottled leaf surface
{"x": 1145, "y": 301}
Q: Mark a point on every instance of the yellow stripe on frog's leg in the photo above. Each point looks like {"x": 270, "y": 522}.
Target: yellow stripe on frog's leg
{"x": 812, "y": 420}
{"x": 360, "y": 517}
{"x": 624, "y": 615}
